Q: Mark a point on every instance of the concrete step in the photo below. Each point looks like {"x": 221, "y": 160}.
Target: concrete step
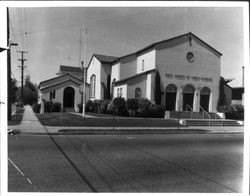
{"x": 206, "y": 122}
{"x": 192, "y": 115}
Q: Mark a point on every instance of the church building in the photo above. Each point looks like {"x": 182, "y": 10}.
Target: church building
{"x": 189, "y": 70}
{"x": 66, "y": 88}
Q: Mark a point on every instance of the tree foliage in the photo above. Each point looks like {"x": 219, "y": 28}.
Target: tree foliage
{"x": 30, "y": 93}
{"x": 157, "y": 88}
{"x": 14, "y": 89}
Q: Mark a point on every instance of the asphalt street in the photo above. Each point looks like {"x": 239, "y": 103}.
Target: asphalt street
{"x": 126, "y": 163}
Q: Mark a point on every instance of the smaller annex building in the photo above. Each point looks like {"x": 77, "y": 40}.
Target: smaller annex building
{"x": 189, "y": 70}
{"x": 66, "y": 88}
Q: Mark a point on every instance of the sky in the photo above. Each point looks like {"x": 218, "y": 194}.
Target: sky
{"x": 51, "y": 35}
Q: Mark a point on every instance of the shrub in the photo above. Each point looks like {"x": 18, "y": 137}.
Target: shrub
{"x": 235, "y": 112}
{"x": 104, "y": 106}
{"x": 97, "y": 106}
{"x": 120, "y": 106}
{"x": 144, "y": 107}
{"x": 36, "y": 107}
{"x": 88, "y": 106}
{"x": 110, "y": 107}
{"x": 57, "y": 107}
{"x": 49, "y": 106}
{"x": 156, "y": 111}
{"x": 132, "y": 105}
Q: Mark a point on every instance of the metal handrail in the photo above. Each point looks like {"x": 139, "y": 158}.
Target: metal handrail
{"x": 191, "y": 109}
{"x": 205, "y": 112}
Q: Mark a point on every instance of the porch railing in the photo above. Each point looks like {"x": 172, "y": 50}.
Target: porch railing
{"x": 191, "y": 110}
{"x": 203, "y": 114}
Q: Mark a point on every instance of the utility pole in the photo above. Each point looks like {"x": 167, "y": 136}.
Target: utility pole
{"x": 8, "y": 67}
{"x": 85, "y": 75}
{"x": 22, "y": 68}
{"x": 80, "y": 41}
{"x": 9, "y": 44}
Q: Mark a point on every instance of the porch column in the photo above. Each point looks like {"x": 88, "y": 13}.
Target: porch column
{"x": 179, "y": 100}
{"x": 196, "y": 103}
{"x": 210, "y": 107}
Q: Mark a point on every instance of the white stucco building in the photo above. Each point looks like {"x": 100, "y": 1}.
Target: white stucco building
{"x": 189, "y": 70}
{"x": 66, "y": 88}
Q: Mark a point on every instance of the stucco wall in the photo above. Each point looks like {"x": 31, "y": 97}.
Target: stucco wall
{"x": 128, "y": 66}
{"x": 176, "y": 69}
{"x": 124, "y": 90}
{"x": 115, "y": 72}
{"x": 95, "y": 68}
{"x": 149, "y": 61}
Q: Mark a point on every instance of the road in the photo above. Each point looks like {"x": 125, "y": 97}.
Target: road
{"x": 126, "y": 163}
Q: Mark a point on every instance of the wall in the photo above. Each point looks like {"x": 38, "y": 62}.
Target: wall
{"x": 115, "y": 72}
{"x": 124, "y": 91}
{"x": 128, "y": 66}
{"x": 176, "y": 69}
{"x": 149, "y": 61}
{"x": 95, "y": 68}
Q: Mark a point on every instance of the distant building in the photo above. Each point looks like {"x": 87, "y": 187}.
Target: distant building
{"x": 189, "y": 70}
{"x": 65, "y": 88}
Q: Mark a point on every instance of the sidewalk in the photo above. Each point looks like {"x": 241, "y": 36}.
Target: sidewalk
{"x": 31, "y": 125}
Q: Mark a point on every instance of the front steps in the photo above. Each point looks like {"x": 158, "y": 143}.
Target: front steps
{"x": 199, "y": 119}
{"x": 193, "y": 115}
{"x": 207, "y": 122}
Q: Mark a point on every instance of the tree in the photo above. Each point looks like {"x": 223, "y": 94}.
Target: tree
{"x": 222, "y": 95}
{"x": 157, "y": 88}
{"x": 108, "y": 87}
{"x": 30, "y": 93}
{"x": 14, "y": 89}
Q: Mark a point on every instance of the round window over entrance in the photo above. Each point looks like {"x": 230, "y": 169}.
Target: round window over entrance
{"x": 190, "y": 56}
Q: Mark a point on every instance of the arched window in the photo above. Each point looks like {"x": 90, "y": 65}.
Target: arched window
{"x": 92, "y": 85}
{"x": 137, "y": 93}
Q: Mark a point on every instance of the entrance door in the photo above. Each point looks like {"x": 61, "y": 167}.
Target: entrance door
{"x": 188, "y": 97}
{"x": 68, "y": 97}
{"x": 204, "y": 100}
{"x": 170, "y": 97}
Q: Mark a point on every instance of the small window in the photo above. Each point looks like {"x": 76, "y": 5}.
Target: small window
{"x": 142, "y": 65}
{"x": 52, "y": 94}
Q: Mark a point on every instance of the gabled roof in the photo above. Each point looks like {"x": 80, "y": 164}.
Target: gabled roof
{"x": 105, "y": 59}
{"x": 43, "y": 83}
{"x": 64, "y": 68}
{"x": 112, "y": 59}
{"x": 134, "y": 76}
{"x": 171, "y": 39}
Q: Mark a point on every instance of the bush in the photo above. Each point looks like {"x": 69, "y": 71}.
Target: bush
{"x": 104, "y": 106}
{"x": 120, "y": 106}
{"x": 144, "y": 107}
{"x": 235, "y": 112}
{"x": 157, "y": 111}
{"x": 36, "y": 107}
{"x": 133, "y": 106}
{"x": 49, "y": 106}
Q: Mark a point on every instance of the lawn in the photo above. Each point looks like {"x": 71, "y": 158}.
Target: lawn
{"x": 68, "y": 119}
{"x": 17, "y": 117}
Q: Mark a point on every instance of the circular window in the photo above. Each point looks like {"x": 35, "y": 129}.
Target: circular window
{"x": 190, "y": 56}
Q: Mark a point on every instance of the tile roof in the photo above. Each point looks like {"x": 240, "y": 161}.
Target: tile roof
{"x": 105, "y": 59}
{"x": 64, "y": 68}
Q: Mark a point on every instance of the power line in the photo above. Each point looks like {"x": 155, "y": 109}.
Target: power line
{"x": 91, "y": 21}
